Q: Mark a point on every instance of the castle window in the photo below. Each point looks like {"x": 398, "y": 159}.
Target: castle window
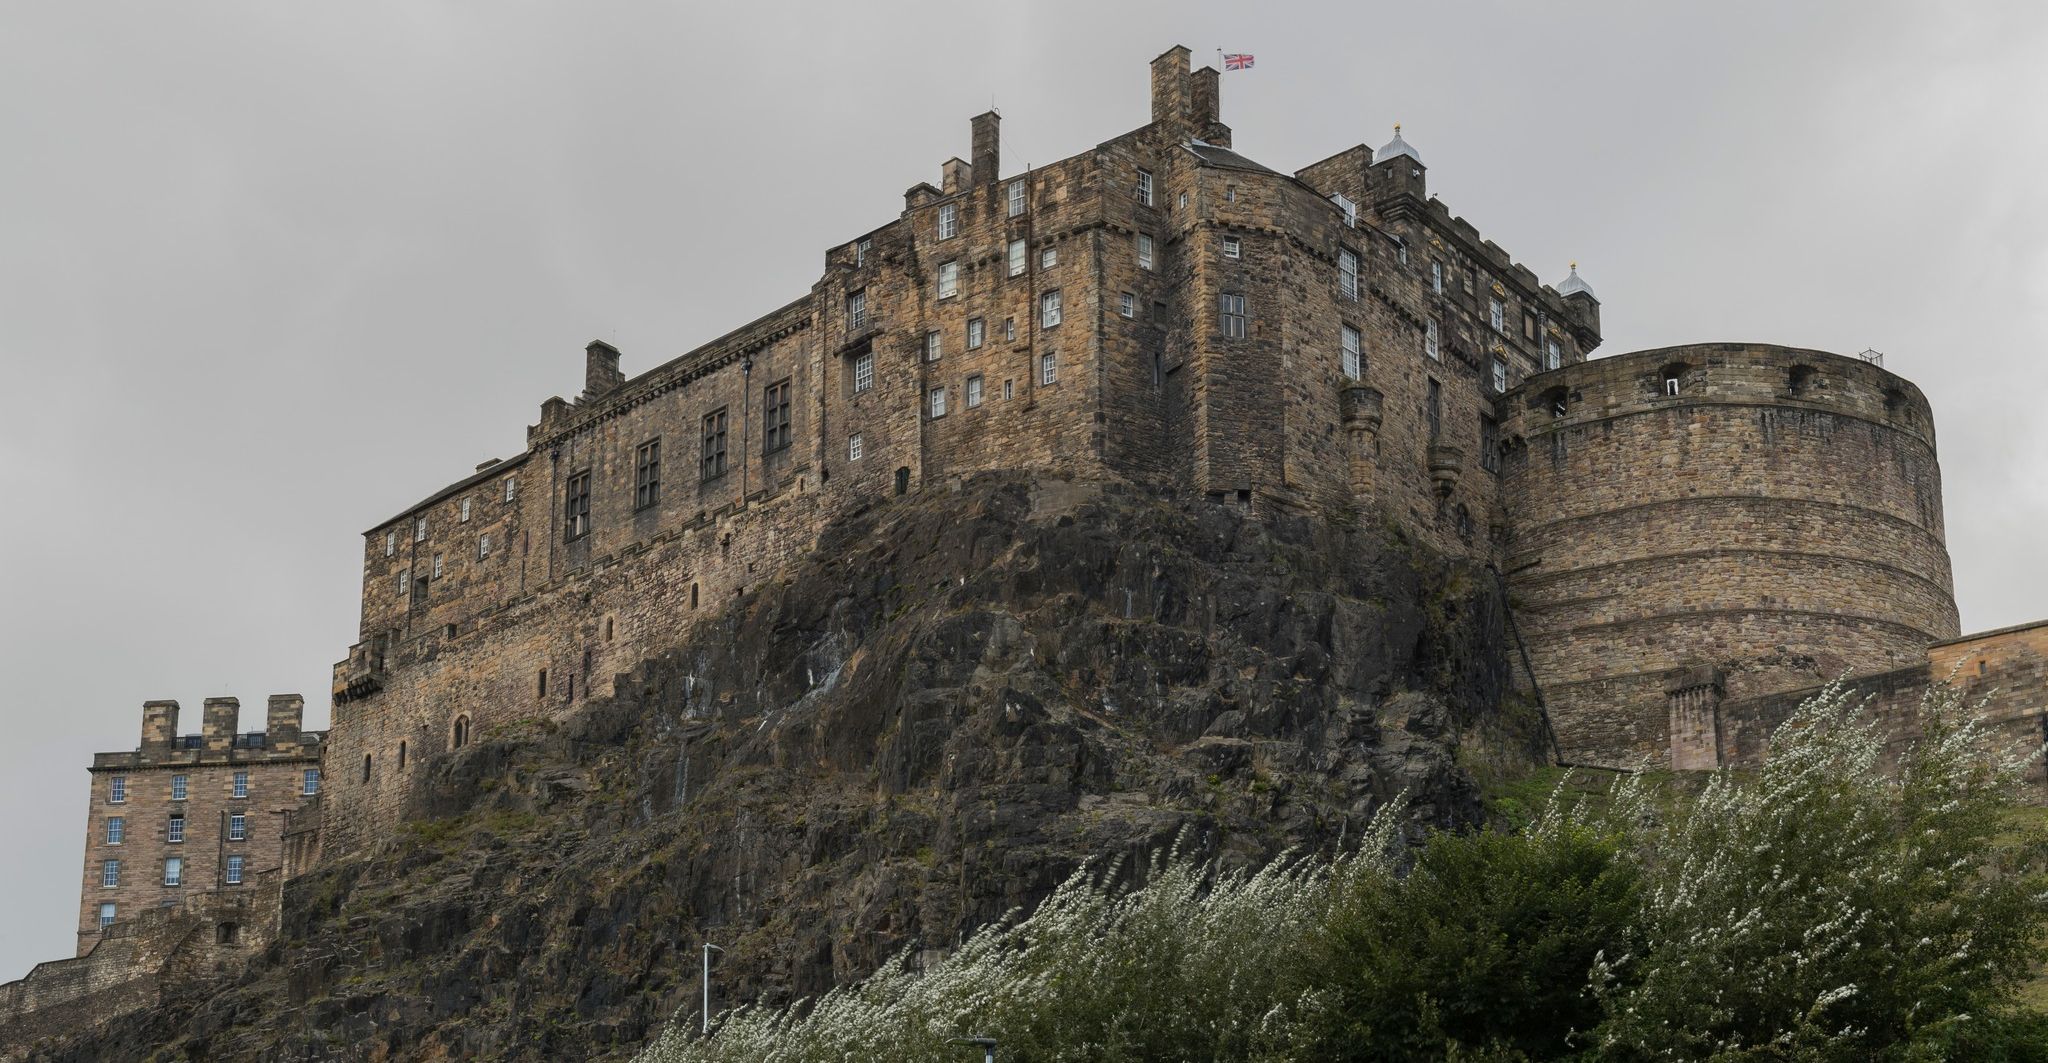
{"x": 607, "y": 629}
{"x": 419, "y": 590}
{"x": 241, "y": 784}
{"x": 1354, "y": 353}
{"x": 902, "y": 479}
{"x": 106, "y": 915}
{"x": 1159, "y": 313}
{"x": 949, "y": 279}
{"x": 1009, "y": 390}
{"x": 1016, "y": 198}
{"x": 576, "y": 507}
{"x": 1673, "y": 376}
{"x": 863, "y": 371}
{"x": 511, "y": 488}
{"x": 390, "y": 542}
{"x": 1497, "y": 314}
{"x": 483, "y": 546}
{"x": 175, "y": 833}
{"x": 1229, "y": 193}
{"x": 419, "y": 529}
{"x": 647, "y": 474}
{"x": 401, "y": 756}
{"x": 238, "y": 826}
{"x": 777, "y": 433}
{"x": 932, "y": 345}
{"x": 1009, "y": 330}
{"x": 1400, "y": 250}
{"x": 1553, "y": 355}
{"x": 178, "y": 787}
{"x": 1670, "y": 385}
{"x": 1016, "y": 258}
{"x": 1802, "y": 378}
{"x": 309, "y": 782}
{"x": 975, "y": 331}
{"x": 1181, "y": 201}
{"x": 1347, "y": 272}
{"x": 1349, "y": 208}
{"x": 465, "y": 511}
{"x": 1500, "y": 375}
{"x": 1049, "y": 309}
{"x": 437, "y": 566}
{"x": 1231, "y": 247}
{"x": 853, "y": 448}
{"x": 711, "y": 464}
{"x": 117, "y": 790}
{"x": 936, "y": 402}
{"x": 1436, "y": 277}
{"x": 693, "y": 605}
{"x": 856, "y": 311}
{"x": 949, "y": 221}
{"x": 1127, "y": 305}
{"x": 1145, "y": 187}
{"x": 1144, "y": 251}
{"x": 461, "y": 731}
{"x": 1435, "y": 410}
{"x": 110, "y": 874}
{"x": 974, "y": 391}
{"x": 232, "y": 878}
{"x": 1049, "y": 258}
{"x": 1528, "y": 325}
{"x": 862, "y": 248}
{"x": 115, "y": 826}
{"x": 1048, "y": 369}
{"x": 366, "y": 767}
{"x": 1489, "y": 444}
{"x": 1230, "y": 314}
{"x": 1430, "y": 334}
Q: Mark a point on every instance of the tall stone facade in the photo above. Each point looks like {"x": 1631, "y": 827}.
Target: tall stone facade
{"x": 183, "y": 817}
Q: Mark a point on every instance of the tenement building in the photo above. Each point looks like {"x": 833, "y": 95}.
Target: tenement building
{"x": 181, "y": 818}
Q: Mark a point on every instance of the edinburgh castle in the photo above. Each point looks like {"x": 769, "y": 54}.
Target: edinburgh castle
{"x": 1689, "y": 540}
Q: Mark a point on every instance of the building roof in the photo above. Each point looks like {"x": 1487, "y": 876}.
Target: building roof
{"x": 1395, "y": 148}
{"x": 1573, "y": 285}
{"x": 1212, "y": 155}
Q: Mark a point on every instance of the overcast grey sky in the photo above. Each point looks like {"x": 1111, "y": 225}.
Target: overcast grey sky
{"x": 271, "y": 272}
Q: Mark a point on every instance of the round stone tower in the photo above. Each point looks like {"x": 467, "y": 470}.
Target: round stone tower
{"x": 1693, "y": 526}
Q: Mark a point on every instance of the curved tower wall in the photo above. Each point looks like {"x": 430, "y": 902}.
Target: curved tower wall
{"x": 1774, "y": 524}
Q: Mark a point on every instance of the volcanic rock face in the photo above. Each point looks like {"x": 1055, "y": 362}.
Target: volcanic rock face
{"x": 954, "y": 702}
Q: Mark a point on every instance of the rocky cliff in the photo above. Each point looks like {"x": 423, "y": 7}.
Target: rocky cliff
{"x": 954, "y": 701}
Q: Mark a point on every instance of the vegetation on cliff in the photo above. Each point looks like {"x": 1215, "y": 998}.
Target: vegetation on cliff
{"x": 1829, "y": 906}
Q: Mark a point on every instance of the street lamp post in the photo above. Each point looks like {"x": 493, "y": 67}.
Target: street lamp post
{"x": 709, "y": 948}
{"x": 985, "y": 1043}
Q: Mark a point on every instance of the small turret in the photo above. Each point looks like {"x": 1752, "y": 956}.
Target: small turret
{"x": 1580, "y": 301}
{"x": 1397, "y": 169}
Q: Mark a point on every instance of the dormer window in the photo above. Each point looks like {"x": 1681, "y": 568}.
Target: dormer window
{"x": 1349, "y": 208}
{"x": 949, "y": 221}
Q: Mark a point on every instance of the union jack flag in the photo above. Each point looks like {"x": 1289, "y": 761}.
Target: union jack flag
{"x": 1237, "y": 61}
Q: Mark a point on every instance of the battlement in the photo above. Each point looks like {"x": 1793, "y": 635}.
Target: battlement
{"x": 218, "y": 741}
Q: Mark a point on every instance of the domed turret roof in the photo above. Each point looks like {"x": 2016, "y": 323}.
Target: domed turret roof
{"x": 1396, "y": 148}
{"x": 1573, "y": 284}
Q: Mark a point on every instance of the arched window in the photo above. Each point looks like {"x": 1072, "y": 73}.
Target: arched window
{"x": 461, "y": 731}
{"x": 401, "y": 755}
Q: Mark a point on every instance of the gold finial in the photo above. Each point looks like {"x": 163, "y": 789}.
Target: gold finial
{"x": 1575, "y": 265}
{"x": 1397, "y": 129}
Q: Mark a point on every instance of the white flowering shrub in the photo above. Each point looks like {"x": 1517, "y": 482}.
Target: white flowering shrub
{"x": 1823, "y": 907}
{"x": 1188, "y": 966}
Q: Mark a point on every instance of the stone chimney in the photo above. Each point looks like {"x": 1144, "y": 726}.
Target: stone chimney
{"x": 281, "y": 726}
{"x": 987, "y": 155}
{"x": 1170, "y": 89}
{"x": 601, "y": 374}
{"x": 954, "y": 175}
{"x": 217, "y": 725}
{"x": 159, "y": 724}
{"x": 1205, "y": 105}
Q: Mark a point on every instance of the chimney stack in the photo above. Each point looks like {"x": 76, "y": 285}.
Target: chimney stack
{"x": 1170, "y": 90}
{"x": 287, "y": 713}
{"x": 1205, "y": 106}
{"x": 159, "y": 724}
{"x": 217, "y": 726}
{"x": 986, "y": 157}
{"x": 601, "y": 374}
{"x": 954, "y": 175}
